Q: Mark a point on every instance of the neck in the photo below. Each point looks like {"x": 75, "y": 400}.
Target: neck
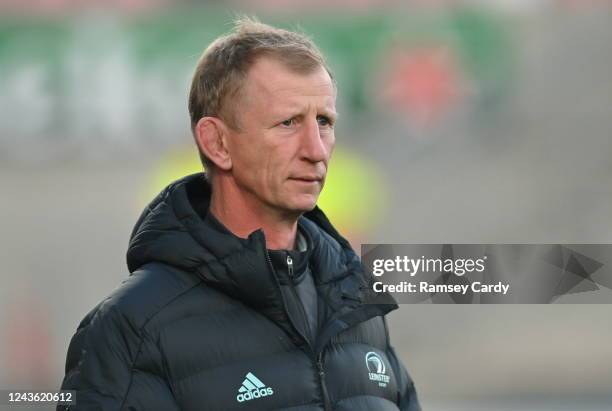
{"x": 241, "y": 213}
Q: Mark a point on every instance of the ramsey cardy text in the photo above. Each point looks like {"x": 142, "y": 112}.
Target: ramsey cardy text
{"x": 425, "y": 287}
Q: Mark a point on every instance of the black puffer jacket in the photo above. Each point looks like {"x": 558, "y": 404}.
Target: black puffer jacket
{"x": 201, "y": 324}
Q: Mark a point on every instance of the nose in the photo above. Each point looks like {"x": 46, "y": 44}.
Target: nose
{"x": 313, "y": 147}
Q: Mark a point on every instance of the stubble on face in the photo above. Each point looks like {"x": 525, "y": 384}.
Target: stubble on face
{"x": 277, "y": 157}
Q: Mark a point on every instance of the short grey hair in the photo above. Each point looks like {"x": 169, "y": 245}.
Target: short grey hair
{"x": 222, "y": 68}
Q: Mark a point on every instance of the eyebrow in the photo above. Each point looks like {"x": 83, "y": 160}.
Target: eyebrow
{"x": 296, "y": 110}
{"x": 332, "y": 114}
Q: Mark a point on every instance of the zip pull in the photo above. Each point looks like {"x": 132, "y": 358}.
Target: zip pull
{"x": 290, "y": 265}
{"x": 320, "y": 365}
{"x": 321, "y": 371}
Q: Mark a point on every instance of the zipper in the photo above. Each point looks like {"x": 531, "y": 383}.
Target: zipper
{"x": 291, "y": 320}
{"x": 316, "y": 357}
{"x": 321, "y": 372}
{"x": 298, "y": 301}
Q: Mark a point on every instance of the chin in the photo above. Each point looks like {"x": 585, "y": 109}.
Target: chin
{"x": 303, "y": 205}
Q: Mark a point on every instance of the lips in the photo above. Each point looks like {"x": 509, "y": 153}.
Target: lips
{"x": 308, "y": 179}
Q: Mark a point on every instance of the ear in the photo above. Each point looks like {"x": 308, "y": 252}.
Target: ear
{"x": 211, "y": 136}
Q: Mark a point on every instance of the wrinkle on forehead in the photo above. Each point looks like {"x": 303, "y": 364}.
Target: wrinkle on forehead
{"x": 322, "y": 90}
{"x": 270, "y": 79}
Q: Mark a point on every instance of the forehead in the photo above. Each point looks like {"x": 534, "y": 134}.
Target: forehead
{"x": 269, "y": 81}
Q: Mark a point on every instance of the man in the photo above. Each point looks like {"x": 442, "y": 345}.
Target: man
{"x": 242, "y": 295}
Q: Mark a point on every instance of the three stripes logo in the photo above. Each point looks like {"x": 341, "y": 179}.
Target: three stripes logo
{"x": 252, "y": 388}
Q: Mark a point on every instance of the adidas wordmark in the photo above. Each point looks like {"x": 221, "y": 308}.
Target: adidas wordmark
{"x": 252, "y": 388}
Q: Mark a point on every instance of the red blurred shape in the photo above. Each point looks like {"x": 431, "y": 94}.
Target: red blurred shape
{"x": 424, "y": 82}
{"x": 28, "y": 345}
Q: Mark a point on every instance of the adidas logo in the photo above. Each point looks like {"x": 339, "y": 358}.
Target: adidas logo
{"x": 252, "y": 388}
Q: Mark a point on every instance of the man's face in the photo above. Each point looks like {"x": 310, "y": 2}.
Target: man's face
{"x": 281, "y": 152}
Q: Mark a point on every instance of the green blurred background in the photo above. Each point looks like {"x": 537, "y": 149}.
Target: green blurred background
{"x": 461, "y": 122}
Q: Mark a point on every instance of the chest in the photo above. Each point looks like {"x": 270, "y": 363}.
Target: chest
{"x": 239, "y": 359}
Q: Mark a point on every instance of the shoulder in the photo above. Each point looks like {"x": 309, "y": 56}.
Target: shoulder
{"x": 136, "y": 311}
{"x": 142, "y": 295}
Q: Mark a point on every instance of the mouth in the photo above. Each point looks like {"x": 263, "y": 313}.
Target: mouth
{"x": 307, "y": 179}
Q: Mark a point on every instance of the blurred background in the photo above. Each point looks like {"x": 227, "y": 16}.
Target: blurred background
{"x": 461, "y": 122}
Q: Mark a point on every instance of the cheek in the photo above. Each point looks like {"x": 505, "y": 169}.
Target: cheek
{"x": 279, "y": 160}
{"x": 330, "y": 144}
{"x": 267, "y": 169}
{"x": 249, "y": 167}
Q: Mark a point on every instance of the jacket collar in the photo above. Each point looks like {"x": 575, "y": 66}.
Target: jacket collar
{"x": 172, "y": 230}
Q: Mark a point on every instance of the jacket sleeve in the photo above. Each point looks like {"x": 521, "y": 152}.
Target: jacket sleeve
{"x": 408, "y": 400}
{"x": 99, "y": 364}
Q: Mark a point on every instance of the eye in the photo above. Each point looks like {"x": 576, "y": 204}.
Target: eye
{"x": 324, "y": 121}
{"x": 288, "y": 123}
